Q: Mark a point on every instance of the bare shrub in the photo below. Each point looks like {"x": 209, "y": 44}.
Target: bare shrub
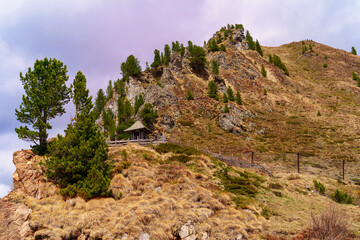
{"x": 331, "y": 224}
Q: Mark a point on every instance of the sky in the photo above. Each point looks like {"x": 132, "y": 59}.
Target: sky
{"x": 96, "y": 36}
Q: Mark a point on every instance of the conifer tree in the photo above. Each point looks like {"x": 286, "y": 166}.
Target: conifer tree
{"x": 212, "y": 91}
{"x": 131, "y": 67}
{"x": 225, "y": 98}
{"x": 219, "y": 38}
{"x": 120, "y": 87}
{"x": 263, "y": 71}
{"x": 230, "y": 94}
{"x": 215, "y": 67}
{"x": 167, "y": 54}
{"x": 100, "y": 102}
{"x": 78, "y": 160}
{"x": 79, "y": 93}
{"x": 226, "y": 109}
{"x": 157, "y": 60}
{"x": 109, "y": 123}
{"x": 213, "y": 46}
{"x": 354, "y": 76}
{"x": 222, "y": 48}
{"x": 238, "y": 98}
{"x": 44, "y": 99}
{"x": 189, "y": 95}
{"x": 270, "y": 59}
{"x": 198, "y": 59}
{"x": 139, "y": 101}
{"x": 250, "y": 41}
{"x": 175, "y": 46}
{"x": 353, "y": 51}
{"x": 190, "y": 47}
{"x": 149, "y": 115}
{"x": 182, "y": 50}
{"x": 109, "y": 91}
{"x": 258, "y": 48}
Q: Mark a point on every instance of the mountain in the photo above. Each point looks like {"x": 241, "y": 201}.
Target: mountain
{"x": 305, "y": 108}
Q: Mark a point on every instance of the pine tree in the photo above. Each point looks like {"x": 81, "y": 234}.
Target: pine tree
{"x": 238, "y": 98}
{"x": 270, "y": 59}
{"x": 230, "y": 94}
{"x": 157, "y": 60}
{"x": 120, "y": 87}
{"x": 215, "y": 67}
{"x": 353, "y": 51}
{"x": 212, "y": 92}
{"x": 78, "y": 160}
{"x": 198, "y": 59}
{"x": 250, "y": 41}
{"x": 175, "y": 46}
{"x": 167, "y": 54}
{"x": 354, "y": 76}
{"x": 189, "y": 95}
{"x": 219, "y": 38}
{"x": 109, "y": 91}
{"x": 139, "y": 101}
{"x": 149, "y": 115}
{"x": 79, "y": 93}
{"x": 131, "y": 67}
{"x": 225, "y": 98}
{"x": 222, "y": 48}
{"x": 100, "y": 102}
{"x": 213, "y": 46}
{"x": 109, "y": 123}
{"x": 263, "y": 71}
{"x": 226, "y": 109}
{"x": 304, "y": 49}
{"x": 44, "y": 99}
{"x": 258, "y": 48}
{"x": 182, "y": 50}
{"x": 190, "y": 47}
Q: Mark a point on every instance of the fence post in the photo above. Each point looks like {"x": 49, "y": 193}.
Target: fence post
{"x": 298, "y": 162}
{"x": 252, "y": 159}
{"x": 343, "y": 169}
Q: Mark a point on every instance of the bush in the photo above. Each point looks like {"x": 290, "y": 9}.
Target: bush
{"x": 225, "y": 98}
{"x": 238, "y": 98}
{"x": 222, "y": 48}
{"x": 325, "y": 65}
{"x": 215, "y": 67}
{"x": 226, "y": 109}
{"x": 340, "y": 197}
{"x": 213, "y": 47}
{"x": 230, "y": 94}
{"x": 189, "y": 95}
{"x": 275, "y": 59}
{"x": 331, "y": 224}
{"x": 212, "y": 91}
{"x": 319, "y": 187}
{"x": 318, "y": 114}
{"x": 265, "y": 91}
{"x": 353, "y": 51}
{"x": 355, "y": 76}
{"x": 263, "y": 71}
{"x": 175, "y": 148}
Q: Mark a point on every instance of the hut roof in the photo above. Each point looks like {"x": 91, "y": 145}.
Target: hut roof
{"x": 136, "y": 126}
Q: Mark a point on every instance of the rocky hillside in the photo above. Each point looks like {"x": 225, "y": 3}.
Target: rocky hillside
{"x": 169, "y": 192}
{"x": 314, "y": 111}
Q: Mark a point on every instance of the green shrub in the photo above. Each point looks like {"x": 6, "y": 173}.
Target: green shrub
{"x": 215, "y": 67}
{"x": 148, "y": 114}
{"x": 189, "y": 95}
{"x": 197, "y": 59}
{"x": 121, "y": 167}
{"x": 325, "y": 65}
{"x": 340, "y": 197}
{"x": 318, "y": 114}
{"x": 213, "y": 47}
{"x": 326, "y": 57}
{"x": 226, "y": 109}
{"x": 265, "y": 91}
{"x": 353, "y": 51}
{"x": 319, "y": 187}
{"x": 212, "y": 91}
{"x": 230, "y": 94}
{"x": 263, "y": 71}
{"x": 238, "y": 99}
{"x": 275, "y": 59}
{"x": 355, "y": 76}
{"x": 222, "y": 48}
{"x": 175, "y": 148}
{"x": 225, "y": 98}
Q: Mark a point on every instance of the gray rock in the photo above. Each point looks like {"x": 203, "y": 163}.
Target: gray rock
{"x": 187, "y": 231}
{"x": 220, "y": 84}
{"x": 229, "y": 123}
{"x": 144, "y": 236}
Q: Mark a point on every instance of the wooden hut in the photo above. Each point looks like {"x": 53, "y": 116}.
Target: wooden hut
{"x": 138, "y": 131}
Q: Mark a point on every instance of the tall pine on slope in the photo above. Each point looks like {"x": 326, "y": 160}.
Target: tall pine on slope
{"x": 250, "y": 41}
{"x": 258, "y": 48}
{"x": 44, "y": 99}
{"x": 78, "y": 160}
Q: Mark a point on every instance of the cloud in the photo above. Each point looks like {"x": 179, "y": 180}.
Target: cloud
{"x": 4, "y": 190}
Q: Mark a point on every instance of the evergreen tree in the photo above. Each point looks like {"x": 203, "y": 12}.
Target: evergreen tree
{"x": 120, "y": 87}
{"x": 190, "y": 47}
{"x": 189, "y": 95}
{"x": 109, "y": 91}
{"x": 167, "y": 54}
{"x": 44, "y": 99}
{"x": 258, "y": 48}
{"x": 238, "y": 98}
{"x": 131, "y": 67}
{"x": 125, "y": 110}
{"x": 310, "y": 48}
{"x": 78, "y": 160}
{"x": 139, "y": 101}
{"x": 213, "y": 46}
{"x": 212, "y": 91}
{"x": 219, "y": 38}
{"x": 304, "y": 49}
{"x": 182, "y": 50}
{"x": 149, "y": 115}
{"x": 250, "y": 41}
{"x": 79, "y": 93}
{"x": 353, "y": 51}
{"x": 222, "y": 48}
{"x": 198, "y": 59}
{"x": 100, "y": 102}
{"x": 263, "y": 71}
{"x": 226, "y": 109}
{"x": 354, "y": 76}
{"x": 230, "y": 94}
{"x": 270, "y": 59}
{"x": 175, "y": 46}
{"x": 226, "y": 33}
{"x": 157, "y": 60}
{"x": 225, "y": 98}
{"x": 109, "y": 124}
{"x": 275, "y": 59}
{"x": 215, "y": 67}
{"x": 239, "y": 26}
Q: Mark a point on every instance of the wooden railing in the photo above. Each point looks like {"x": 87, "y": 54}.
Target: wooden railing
{"x": 142, "y": 142}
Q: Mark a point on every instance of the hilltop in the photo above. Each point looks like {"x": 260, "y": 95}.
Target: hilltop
{"x": 300, "y": 100}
